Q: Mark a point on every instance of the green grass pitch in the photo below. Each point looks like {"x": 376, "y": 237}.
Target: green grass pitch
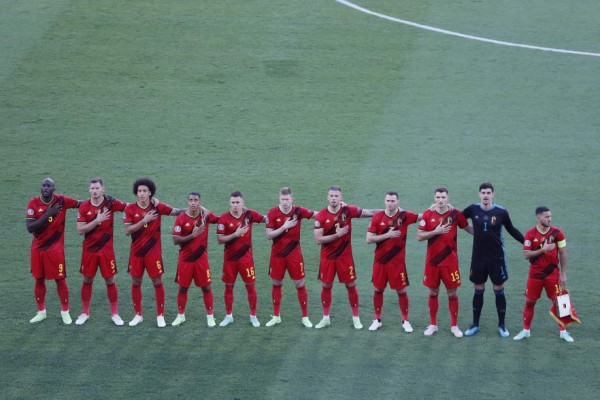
{"x": 254, "y": 95}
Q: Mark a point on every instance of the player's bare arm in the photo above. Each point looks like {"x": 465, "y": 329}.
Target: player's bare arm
{"x": 562, "y": 257}
{"x": 368, "y": 213}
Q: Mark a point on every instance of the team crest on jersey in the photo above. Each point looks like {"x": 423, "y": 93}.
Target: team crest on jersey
{"x": 220, "y": 227}
{"x": 422, "y": 223}
{"x": 527, "y": 243}
{"x": 493, "y": 221}
{"x": 30, "y": 211}
{"x": 177, "y": 229}
{"x": 317, "y": 224}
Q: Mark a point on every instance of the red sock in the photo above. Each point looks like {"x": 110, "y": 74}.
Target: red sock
{"x": 228, "y": 297}
{"x": 353, "y": 299}
{"x": 276, "y": 295}
{"x": 159, "y": 291}
{"x": 326, "y": 300}
{"x": 113, "y": 297}
{"x": 86, "y": 296}
{"x": 136, "y": 298}
{"x": 378, "y": 303}
{"x": 63, "y": 293}
{"x": 303, "y": 300}
{"x": 403, "y": 302}
{"x": 39, "y": 291}
{"x": 252, "y": 298}
{"x": 209, "y": 300}
{"x": 528, "y": 313}
{"x": 182, "y": 298}
{"x": 433, "y": 309}
{"x": 453, "y": 307}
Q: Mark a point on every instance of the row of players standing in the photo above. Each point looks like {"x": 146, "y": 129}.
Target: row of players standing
{"x": 544, "y": 247}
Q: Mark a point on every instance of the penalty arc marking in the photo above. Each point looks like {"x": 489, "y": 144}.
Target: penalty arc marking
{"x": 462, "y": 35}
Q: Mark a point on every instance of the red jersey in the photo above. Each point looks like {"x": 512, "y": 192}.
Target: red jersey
{"x": 197, "y": 247}
{"x": 392, "y": 249}
{"x": 53, "y": 235}
{"x": 238, "y": 249}
{"x": 331, "y": 223}
{"x": 100, "y": 238}
{"x": 542, "y": 265}
{"x": 442, "y": 250}
{"x": 146, "y": 239}
{"x": 289, "y": 240}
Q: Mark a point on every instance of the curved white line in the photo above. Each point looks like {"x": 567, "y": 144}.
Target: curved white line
{"x": 462, "y": 35}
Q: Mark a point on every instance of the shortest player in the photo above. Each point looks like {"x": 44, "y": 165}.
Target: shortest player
{"x": 190, "y": 233}
{"x": 546, "y": 248}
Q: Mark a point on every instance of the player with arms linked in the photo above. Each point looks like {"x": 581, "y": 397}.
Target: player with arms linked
{"x": 142, "y": 221}
{"x": 45, "y": 219}
{"x": 191, "y": 234}
{"x": 439, "y": 227}
{"x": 283, "y": 228}
{"x": 95, "y": 220}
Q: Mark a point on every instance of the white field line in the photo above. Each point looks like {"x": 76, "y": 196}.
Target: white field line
{"x": 462, "y": 35}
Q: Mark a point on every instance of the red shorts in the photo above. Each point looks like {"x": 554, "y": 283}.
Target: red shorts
{"x": 197, "y": 271}
{"x": 48, "y": 264}
{"x": 343, "y": 266}
{"x": 232, "y": 268}
{"x": 150, "y": 262}
{"x": 551, "y": 283}
{"x": 91, "y": 261}
{"x": 434, "y": 275}
{"x": 395, "y": 274}
{"x": 294, "y": 263}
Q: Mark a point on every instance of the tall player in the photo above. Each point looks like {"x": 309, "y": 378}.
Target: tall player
{"x": 191, "y": 234}
{"x": 235, "y": 232}
{"x": 439, "y": 227}
{"x": 546, "y": 249}
{"x": 333, "y": 232}
{"x": 45, "y": 219}
{"x": 95, "y": 220}
{"x": 388, "y": 230}
{"x": 283, "y": 228}
{"x": 142, "y": 221}
{"x": 488, "y": 258}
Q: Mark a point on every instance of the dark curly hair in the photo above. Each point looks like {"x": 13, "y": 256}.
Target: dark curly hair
{"x": 144, "y": 182}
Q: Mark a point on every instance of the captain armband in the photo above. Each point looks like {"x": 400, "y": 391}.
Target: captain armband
{"x": 562, "y": 243}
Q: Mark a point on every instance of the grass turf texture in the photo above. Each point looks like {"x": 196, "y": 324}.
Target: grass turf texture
{"x": 255, "y": 95}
